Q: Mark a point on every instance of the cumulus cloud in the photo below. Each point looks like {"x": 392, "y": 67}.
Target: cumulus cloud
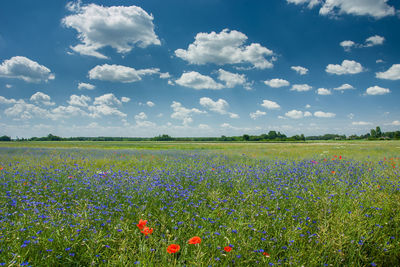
{"x": 107, "y": 99}
{"x": 120, "y": 27}
{"x": 150, "y": 104}
{"x": 324, "y": 91}
{"x": 4, "y": 100}
{"x": 395, "y": 123}
{"x": 233, "y": 79}
{"x": 86, "y": 86}
{"x": 258, "y": 113}
{"x": 226, "y": 47}
{"x": 361, "y": 123}
{"x": 125, "y": 99}
{"x": 374, "y": 8}
{"x": 376, "y": 90}
{"x": 65, "y": 112}
{"x": 25, "y": 69}
{"x": 41, "y": 98}
{"x": 297, "y": 114}
{"x": 276, "y": 83}
{"x": 344, "y": 86}
{"x": 198, "y": 81}
{"x": 347, "y": 67}
{"x": 374, "y": 40}
{"x": 347, "y": 45}
{"x": 8, "y": 86}
{"x": 268, "y": 104}
{"x": 220, "y": 106}
{"x": 99, "y": 110}
{"x": 308, "y": 106}
{"x": 300, "y": 70}
{"x": 321, "y": 114}
{"x": 184, "y": 114}
{"x": 24, "y": 111}
{"x": 118, "y": 73}
{"x": 393, "y": 73}
{"x": 81, "y": 101}
{"x": 141, "y": 116}
{"x": 301, "y": 87}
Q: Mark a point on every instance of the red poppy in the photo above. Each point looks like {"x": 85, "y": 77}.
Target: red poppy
{"x": 1, "y": 168}
{"x": 340, "y": 157}
{"x": 141, "y": 224}
{"x": 227, "y": 248}
{"x": 266, "y": 254}
{"x": 194, "y": 240}
{"x": 333, "y": 172}
{"x": 146, "y": 230}
{"x": 173, "y": 248}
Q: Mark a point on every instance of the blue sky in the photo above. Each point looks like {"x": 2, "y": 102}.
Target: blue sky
{"x": 198, "y": 68}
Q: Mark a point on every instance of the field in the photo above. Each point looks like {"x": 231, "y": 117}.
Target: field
{"x": 249, "y": 204}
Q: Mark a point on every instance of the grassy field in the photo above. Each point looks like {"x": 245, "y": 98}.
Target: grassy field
{"x": 311, "y": 204}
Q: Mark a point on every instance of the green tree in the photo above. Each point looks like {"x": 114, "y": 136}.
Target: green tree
{"x": 378, "y": 132}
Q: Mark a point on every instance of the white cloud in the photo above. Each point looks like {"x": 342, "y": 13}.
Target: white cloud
{"x": 379, "y": 61}
{"x": 361, "y": 123}
{"x": 150, "y": 104}
{"x": 98, "y": 110}
{"x": 393, "y": 73}
{"x": 219, "y": 106}
{"x": 65, "y": 112}
{"x": 233, "y": 115}
{"x": 226, "y": 47}
{"x": 294, "y": 114}
{"x": 8, "y": 86}
{"x": 347, "y": 45}
{"x": 107, "y": 99}
{"x": 324, "y": 91}
{"x": 374, "y": 8}
{"x": 118, "y": 73}
{"x": 86, "y": 86}
{"x": 376, "y": 90}
{"x": 395, "y": 123}
{"x": 276, "y": 83}
{"x": 344, "y": 86}
{"x": 141, "y": 116}
{"x": 4, "y": 100}
{"x": 350, "y": 116}
{"x": 198, "y": 81}
{"x": 308, "y": 106}
{"x": 258, "y": 113}
{"x": 300, "y": 70}
{"x": 321, "y": 114}
{"x": 182, "y": 113}
{"x": 165, "y": 75}
{"x": 232, "y": 79}
{"x": 125, "y": 99}
{"x": 374, "y": 40}
{"x": 81, "y": 101}
{"x": 347, "y": 67}
{"x": 301, "y": 87}
{"x": 204, "y": 127}
{"x": 41, "y": 98}
{"x": 307, "y": 114}
{"x": 120, "y": 27}
{"x": 148, "y": 124}
{"x": 24, "y": 111}
{"x": 268, "y": 104}
{"x": 25, "y": 69}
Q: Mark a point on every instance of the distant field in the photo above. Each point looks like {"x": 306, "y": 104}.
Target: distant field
{"x": 245, "y": 204}
{"x": 285, "y": 150}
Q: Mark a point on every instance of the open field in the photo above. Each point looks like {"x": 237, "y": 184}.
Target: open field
{"x": 311, "y": 204}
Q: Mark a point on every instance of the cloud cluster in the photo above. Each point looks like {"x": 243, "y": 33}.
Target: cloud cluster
{"x": 374, "y": 8}
{"x": 25, "y": 69}
{"x": 118, "y": 73}
{"x": 220, "y": 106}
{"x": 369, "y": 42}
{"x": 347, "y": 67}
{"x": 87, "y": 86}
{"x": 301, "y": 87}
{"x": 257, "y": 114}
{"x": 120, "y": 27}
{"x": 393, "y": 73}
{"x": 277, "y": 83}
{"x": 300, "y": 70}
{"x": 42, "y": 98}
{"x": 268, "y": 104}
{"x": 184, "y": 114}
{"x": 226, "y": 47}
{"x": 377, "y": 90}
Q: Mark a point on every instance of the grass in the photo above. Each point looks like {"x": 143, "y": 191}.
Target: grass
{"x": 310, "y": 204}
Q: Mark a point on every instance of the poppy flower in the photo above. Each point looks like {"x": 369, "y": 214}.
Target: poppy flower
{"x": 194, "y": 240}
{"x": 141, "y": 224}
{"x": 227, "y": 248}
{"x": 266, "y": 254}
{"x": 146, "y": 230}
{"x": 333, "y": 172}
{"x": 173, "y": 248}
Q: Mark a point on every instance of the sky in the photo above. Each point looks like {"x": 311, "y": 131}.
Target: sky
{"x": 198, "y": 68}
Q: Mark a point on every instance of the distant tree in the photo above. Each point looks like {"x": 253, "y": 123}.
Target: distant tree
{"x": 272, "y": 135}
{"x": 373, "y": 133}
{"x": 5, "y": 138}
{"x": 378, "y": 132}
{"x": 246, "y": 137}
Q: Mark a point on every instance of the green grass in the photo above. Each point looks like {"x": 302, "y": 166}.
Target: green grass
{"x": 77, "y": 204}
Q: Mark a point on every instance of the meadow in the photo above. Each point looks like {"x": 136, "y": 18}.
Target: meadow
{"x": 199, "y": 204}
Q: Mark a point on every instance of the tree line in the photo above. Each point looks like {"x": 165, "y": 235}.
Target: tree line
{"x": 374, "y": 134}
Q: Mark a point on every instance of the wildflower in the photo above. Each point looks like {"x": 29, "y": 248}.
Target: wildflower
{"x": 173, "y": 248}
{"x": 266, "y": 254}
{"x": 141, "y": 224}
{"x": 146, "y": 230}
{"x": 227, "y": 248}
{"x": 194, "y": 240}
{"x": 333, "y": 172}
